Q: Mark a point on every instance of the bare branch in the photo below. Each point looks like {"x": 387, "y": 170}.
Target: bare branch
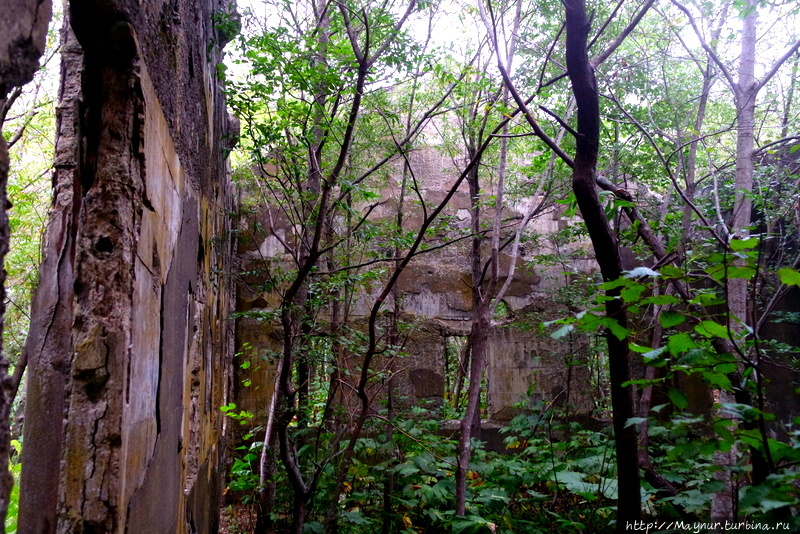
{"x": 621, "y": 37}
{"x": 778, "y": 64}
{"x": 547, "y": 60}
{"x": 709, "y": 50}
{"x": 559, "y": 120}
{"x": 605, "y": 24}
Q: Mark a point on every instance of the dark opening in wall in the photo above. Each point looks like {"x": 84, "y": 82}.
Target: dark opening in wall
{"x": 103, "y": 247}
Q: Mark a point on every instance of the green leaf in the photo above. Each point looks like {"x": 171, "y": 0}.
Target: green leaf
{"x": 718, "y": 381}
{"x": 743, "y": 244}
{"x": 471, "y": 523}
{"x": 741, "y": 272}
{"x": 679, "y": 343}
{"x": 653, "y": 354}
{"x": 711, "y": 329}
{"x": 632, "y": 293}
{"x": 788, "y": 276}
{"x": 661, "y": 300}
{"x": 670, "y": 271}
{"x": 763, "y": 498}
{"x": 634, "y": 421}
{"x": 313, "y": 527}
{"x": 357, "y": 518}
{"x": 678, "y": 398}
{"x": 612, "y": 324}
{"x": 668, "y": 319}
{"x": 613, "y": 284}
{"x": 706, "y": 299}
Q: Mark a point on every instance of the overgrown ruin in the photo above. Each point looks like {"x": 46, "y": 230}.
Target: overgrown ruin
{"x": 524, "y": 365}
{"x": 154, "y": 312}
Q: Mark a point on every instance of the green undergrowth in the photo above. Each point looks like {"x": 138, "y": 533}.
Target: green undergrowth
{"x": 553, "y": 476}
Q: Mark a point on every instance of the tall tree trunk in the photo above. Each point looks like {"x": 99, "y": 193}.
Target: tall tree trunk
{"x": 745, "y": 92}
{"x": 584, "y": 86}
{"x": 478, "y": 337}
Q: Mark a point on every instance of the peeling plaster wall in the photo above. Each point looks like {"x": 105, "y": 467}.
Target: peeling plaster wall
{"x": 129, "y": 347}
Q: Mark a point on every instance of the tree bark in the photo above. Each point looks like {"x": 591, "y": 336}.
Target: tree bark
{"x": 584, "y": 86}
{"x": 470, "y": 423}
{"x": 745, "y": 92}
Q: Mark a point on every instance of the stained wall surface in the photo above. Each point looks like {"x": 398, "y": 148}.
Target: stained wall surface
{"x": 435, "y": 299}
{"x": 129, "y": 345}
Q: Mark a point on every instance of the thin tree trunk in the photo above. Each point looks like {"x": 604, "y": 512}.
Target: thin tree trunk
{"x": 470, "y": 423}
{"x": 461, "y": 373}
{"x": 745, "y": 92}
{"x": 266, "y": 464}
{"x": 584, "y": 86}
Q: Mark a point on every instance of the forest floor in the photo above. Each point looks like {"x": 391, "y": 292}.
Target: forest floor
{"x": 237, "y": 519}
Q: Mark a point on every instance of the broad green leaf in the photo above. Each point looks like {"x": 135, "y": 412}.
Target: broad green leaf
{"x": 670, "y": 271}
{"x": 613, "y": 284}
{"x": 718, "y": 381}
{"x": 763, "y": 498}
{"x": 653, "y": 354}
{"x": 741, "y": 272}
{"x": 711, "y": 329}
{"x": 357, "y": 518}
{"x": 642, "y": 382}
{"x": 788, "y": 276}
{"x": 632, "y": 293}
{"x": 743, "y": 244}
{"x": 679, "y": 343}
{"x": 612, "y": 324}
{"x": 668, "y": 319}
{"x": 470, "y": 523}
{"x": 783, "y": 452}
{"x": 706, "y": 299}
{"x": 313, "y": 527}
{"x": 634, "y": 421}
{"x": 678, "y": 398}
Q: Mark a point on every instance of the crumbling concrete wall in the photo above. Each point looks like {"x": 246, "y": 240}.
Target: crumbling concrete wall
{"x": 435, "y": 300}
{"x": 129, "y": 345}
{"x": 23, "y": 32}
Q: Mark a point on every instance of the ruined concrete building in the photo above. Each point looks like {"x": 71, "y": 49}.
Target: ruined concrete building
{"x": 129, "y": 362}
{"x": 435, "y": 300}
{"x": 131, "y": 350}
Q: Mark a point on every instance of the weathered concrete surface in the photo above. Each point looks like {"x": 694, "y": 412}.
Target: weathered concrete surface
{"x": 23, "y": 33}
{"x": 435, "y": 302}
{"x": 130, "y": 347}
